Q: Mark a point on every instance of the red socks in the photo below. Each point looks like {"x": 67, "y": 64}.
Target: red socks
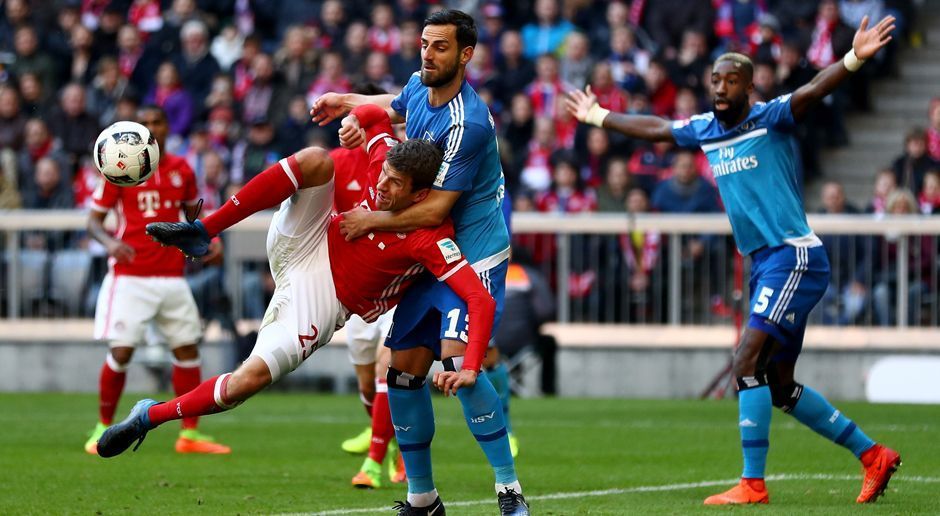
{"x": 265, "y": 190}
{"x": 186, "y": 377}
{"x": 382, "y": 429}
{"x": 200, "y": 401}
{"x": 110, "y": 386}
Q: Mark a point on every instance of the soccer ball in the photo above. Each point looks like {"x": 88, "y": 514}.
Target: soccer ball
{"x": 126, "y": 153}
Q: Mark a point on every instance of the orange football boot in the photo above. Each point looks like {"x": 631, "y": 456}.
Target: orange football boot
{"x": 749, "y": 490}
{"x": 191, "y": 441}
{"x": 397, "y": 476}
{"x": 880, "y": 462}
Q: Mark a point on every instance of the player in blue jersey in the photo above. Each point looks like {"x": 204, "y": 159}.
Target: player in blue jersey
{"x": 438, "y": 105}
{"x": 753, "y": 164}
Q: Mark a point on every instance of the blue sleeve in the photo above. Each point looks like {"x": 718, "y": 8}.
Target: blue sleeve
{"x": 685, "y": 134}
{"x": 464, "y": 151}
{"x": 778, "y": 114}
{"x": 400, "y": 103}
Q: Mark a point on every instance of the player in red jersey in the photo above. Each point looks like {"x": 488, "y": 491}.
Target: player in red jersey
{"x": 145, "y": 284}
{"x": 352, "y": 179}
{"x": 320, "y": 277}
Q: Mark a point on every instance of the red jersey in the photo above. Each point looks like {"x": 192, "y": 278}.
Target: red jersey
{"x": 351, "y": 175}
{"x": 371, "y": 273}
{"x": 159, "y": 199}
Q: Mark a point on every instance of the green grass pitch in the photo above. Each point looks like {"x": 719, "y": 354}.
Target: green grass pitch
{"x": 577, "y": 457}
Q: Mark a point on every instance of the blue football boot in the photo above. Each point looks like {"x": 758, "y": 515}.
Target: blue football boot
{"x": 512, "y": 503}
{"x": 119, "y": 437}
{"x": 189, "y": 237}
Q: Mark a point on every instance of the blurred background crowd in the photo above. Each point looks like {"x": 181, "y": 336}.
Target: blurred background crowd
{"x": 237, "y": 77}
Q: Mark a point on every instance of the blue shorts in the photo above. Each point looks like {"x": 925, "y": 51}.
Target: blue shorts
{"x": 430, "y": 312}
{"x": 786, "y": 283}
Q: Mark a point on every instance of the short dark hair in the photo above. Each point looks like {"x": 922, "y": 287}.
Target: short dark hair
{"x": 152, "y": 107}
{"x": 740, "y": 61}
{"x": 368, "y": 88}
{"x": 466, "y": 27}
{"x": 419, "y": 159}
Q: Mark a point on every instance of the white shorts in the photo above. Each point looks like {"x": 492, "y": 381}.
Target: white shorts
{"x": 127, "y": 304}
{"x": 304, "y": 311}
{"x": 364, "y": 338}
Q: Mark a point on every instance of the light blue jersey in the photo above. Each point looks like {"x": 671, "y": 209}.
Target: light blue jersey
{"x": 464, "y": 129}
{"x": 755, "y": 172}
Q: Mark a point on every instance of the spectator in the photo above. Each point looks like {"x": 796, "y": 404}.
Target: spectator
{"x": 168, "y": 93}
{"x": 241, "y": 70}
{"x": 617, "y": 14}
{"x": 355, "y": 51}
{"x": 567, "y": 192}
{"x": 661, "y": 90}
{"x": 689, "y": 67}
{"x": 735, "y": 22}
{"x": 49, "y": 191}
{"x": 479, "y": 72}
{"x": 686, "y": 104}
{"x": 933, "y": 132}
{"x": 920, "y": 265}
{"x": 609, "y": 95}
{"x": 33, "y": 99}
{"x": 547, "y": 34}
{"x": 830, "y": 40}
{"x": 332, "y": 24}
{"x": 146, "y": 15}
{"x": 222, "y": 94}
{"x": 628, "y": 63}
{"x": 845, "y": 298}
{"x": 641, "y": 251}
{"x": 106, "y": 88}
{"x": 649, "y": 163}
{"x": 910, "y": 167}
{"x": 331, "y": 77}
{"x": 10, "y": 198}
{"x": 766, "y": 42}
{"x": 106, "y": 30}
{"x": 885, "y": 184}
{"x": 254, "y": 154}
{"x": 612, "y": 195}
{"x": 30, "y": 58}
{"x": 686, "y": 191}
{"x": 517, "y": 133}
{"x": 407, "y": 60}
{"x": 82, "y": 59}
{"x": 493, "y": 27}
{"x": 576, "y": 62}
{"x": 212, "y": 181}
{"x": 267, "y": 97}
{"x": 536, "y": 175}
{"x": 12, "y": 119}
{"x": 765, "y": 83}
{"x": 72, "y": 124}
{"x": 296, "y": 60}
{"x": 547, "y": 86}
{"x": 667, "y": 20}
{"x": 196, "y": 65}
{"x": 377, "y": 71}
{"x": 929, "y": 198}
{"x": 17, "y": 14}
{"x": 596, "y": 157}
{"x": 513, "y": 70}
{"x": 38, "y": 144}
{"x": 383, "y": 35}
{"x": 226, "y": 47}
{"x": 135, "y": 63}
{"x": 292, "y": 132}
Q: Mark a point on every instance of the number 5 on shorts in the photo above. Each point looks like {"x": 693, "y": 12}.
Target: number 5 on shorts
{"x": 763, "y": 300}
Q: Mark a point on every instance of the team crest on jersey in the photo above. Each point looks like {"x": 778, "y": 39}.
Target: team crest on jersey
{"x": 747, "y": 126}
{"x": 429, "y": 136}
{"x": 175, "y": 179}
{"x": 449, "y": 250}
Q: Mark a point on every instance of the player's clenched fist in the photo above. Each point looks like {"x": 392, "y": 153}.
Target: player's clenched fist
{"x": 121, "y": 252}
{"x": 328, "y": 107}
{"x": 351, "y": 134}
{"x": 449, "y": 381}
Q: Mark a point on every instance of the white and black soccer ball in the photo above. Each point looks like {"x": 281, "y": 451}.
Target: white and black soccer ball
{"x": 126, "y": 153}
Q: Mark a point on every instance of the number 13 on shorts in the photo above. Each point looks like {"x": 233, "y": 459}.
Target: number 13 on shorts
{"x": 453, "y": 319}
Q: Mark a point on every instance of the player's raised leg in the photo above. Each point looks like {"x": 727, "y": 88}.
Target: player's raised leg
{"x": 754, "y": 413}
{"x": 306, "y": 168}
{"x": 813, "y": 410}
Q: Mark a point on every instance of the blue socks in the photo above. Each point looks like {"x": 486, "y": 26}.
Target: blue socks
{"x": 484, "y": 413}
{"x": 413, "y": 418}
{"x": 754, "y": 410}
{"x": 499, "y": 377}
{"x": 815, "y": 412}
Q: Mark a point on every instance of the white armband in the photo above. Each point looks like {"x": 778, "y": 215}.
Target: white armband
{"x": 851, "y": 61}
{"x": 596, "y": 115}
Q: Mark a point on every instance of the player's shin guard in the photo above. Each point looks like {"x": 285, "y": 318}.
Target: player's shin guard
{"x": 207, "y": 398}
{"x": 754, "y": 411}
{"x": 186, "y": 376}
{"x": 484, "y": 415}
{"x": 413, "y": 418}
{"x": 110, "y": 385}
{"x": 382, "y": 429}
{"x": 814, "y": 411}
{"x": 499, "y": 377}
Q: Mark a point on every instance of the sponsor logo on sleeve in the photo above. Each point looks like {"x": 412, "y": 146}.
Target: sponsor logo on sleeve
{"x": 449, "y": 250}
{"x": 441, "y": 174}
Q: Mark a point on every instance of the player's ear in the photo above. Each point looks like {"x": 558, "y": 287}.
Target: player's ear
{"x": 421, "y": 194}
{"x": 466, "y": 55}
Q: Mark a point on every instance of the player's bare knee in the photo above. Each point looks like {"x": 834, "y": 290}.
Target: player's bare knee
{"x": 186, "y": 352}
{"x": 122, "y": 354}
{"x": 316, "y": 166}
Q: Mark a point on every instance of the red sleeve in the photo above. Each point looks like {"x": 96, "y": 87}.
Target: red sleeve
{"x": 436, "y": 250}
{"x": 379, "y": 136}
{"x": 105, "y": 197}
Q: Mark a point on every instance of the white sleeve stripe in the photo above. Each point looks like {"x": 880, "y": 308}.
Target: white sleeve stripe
{"x": 457, "y": 119}
{"x": 375, "y": 139}
{"x": 285, "y": 166}
{"x": 451, "y": 272}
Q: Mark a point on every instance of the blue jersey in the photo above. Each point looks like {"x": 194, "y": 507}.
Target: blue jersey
{"x": 754, "y": 168}
{"x": 465, "y": 131}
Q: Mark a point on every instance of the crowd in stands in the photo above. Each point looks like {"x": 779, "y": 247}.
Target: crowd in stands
{"x": 237, "y": 77}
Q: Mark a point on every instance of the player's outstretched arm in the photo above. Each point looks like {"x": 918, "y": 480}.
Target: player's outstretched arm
{"x": 330, "y": 106}
{"x": 428, "y": 213}
{"x": 867, "y": 43}
{"x": 584, "y": 107}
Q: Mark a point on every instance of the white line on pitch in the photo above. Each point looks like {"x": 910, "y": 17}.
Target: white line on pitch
{"x": 628, "y": 490}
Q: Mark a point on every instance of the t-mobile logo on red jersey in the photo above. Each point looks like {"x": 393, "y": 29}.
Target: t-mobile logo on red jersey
{"x": 147, "y": 202}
